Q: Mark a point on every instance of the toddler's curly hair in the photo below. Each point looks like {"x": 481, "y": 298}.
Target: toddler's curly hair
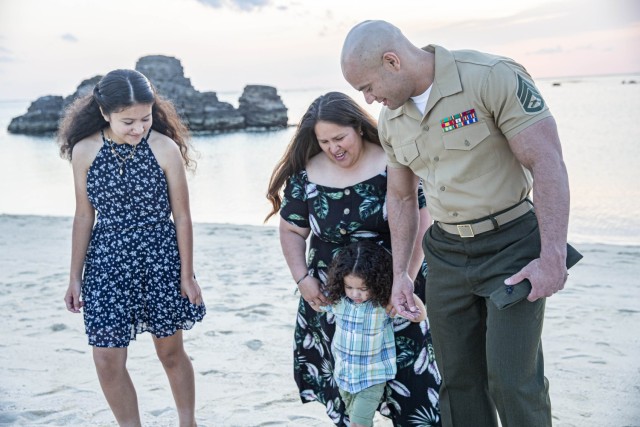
{"x": 366, "y": 260}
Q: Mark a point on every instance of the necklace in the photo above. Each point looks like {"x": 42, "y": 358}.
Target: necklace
{"x": 121, "y": 160}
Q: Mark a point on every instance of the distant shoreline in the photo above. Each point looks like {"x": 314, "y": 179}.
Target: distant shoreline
{"x": 295, "y": 90}
{"x": 5, "y": 216}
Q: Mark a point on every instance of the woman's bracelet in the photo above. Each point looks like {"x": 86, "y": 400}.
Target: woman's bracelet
{"x": 302, "y": 278}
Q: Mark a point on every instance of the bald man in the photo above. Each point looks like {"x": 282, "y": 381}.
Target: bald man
{"x": 476, "y": 130}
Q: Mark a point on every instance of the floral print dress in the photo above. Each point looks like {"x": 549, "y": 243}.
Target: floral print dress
{"x": 337, "y": 217}
{"x": 131, "y": 280}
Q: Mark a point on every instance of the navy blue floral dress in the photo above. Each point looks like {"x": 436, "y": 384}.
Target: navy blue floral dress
{"x": 337, "y": 217}
{"x": 131, "y": 280}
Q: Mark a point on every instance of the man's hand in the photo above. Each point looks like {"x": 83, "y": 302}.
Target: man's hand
{"x": 546, "y": 278}
{"x": 402, "y": 297}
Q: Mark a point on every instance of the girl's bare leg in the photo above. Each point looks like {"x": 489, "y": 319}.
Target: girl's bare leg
{"x": 117, "y": 385}
{"x": 179, "y": 370}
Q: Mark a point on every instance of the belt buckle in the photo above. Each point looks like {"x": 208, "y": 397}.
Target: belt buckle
{"x": 465, "y": 230}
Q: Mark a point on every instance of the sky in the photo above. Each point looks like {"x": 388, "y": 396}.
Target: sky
{"x": 47, "y": 47}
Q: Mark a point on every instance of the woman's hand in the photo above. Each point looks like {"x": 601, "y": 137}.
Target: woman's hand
{"x": 189, "y": 288}
{"x": 310, "y": 290}
{"x": 72, "y": 298}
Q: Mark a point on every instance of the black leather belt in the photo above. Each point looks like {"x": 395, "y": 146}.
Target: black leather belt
{"x": 493, "y": 223}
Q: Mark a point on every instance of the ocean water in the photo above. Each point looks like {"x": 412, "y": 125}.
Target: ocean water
{"x": 597, "y": 120}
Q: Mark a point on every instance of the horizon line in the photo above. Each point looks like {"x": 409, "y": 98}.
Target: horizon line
{"x": 230, "y": 91}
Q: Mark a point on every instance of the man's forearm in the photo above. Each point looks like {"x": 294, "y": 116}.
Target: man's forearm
{"x": 403, "y": 222}
{"x": 551, "y": 198}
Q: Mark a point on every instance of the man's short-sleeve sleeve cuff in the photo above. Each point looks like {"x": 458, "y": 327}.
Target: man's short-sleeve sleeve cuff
{"x": 535, "y": 119}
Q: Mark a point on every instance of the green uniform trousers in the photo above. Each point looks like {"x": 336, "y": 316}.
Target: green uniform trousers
{"x": 486, "y": 336}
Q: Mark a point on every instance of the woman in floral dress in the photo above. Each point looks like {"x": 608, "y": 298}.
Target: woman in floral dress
{"x": 335, "y": 183}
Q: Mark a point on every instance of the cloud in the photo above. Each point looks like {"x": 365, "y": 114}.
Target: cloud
{"x": 6, "y": 55}
{"x": 244, "y": 5}
{"x": 547, "y": 51}
{"x": 216, "y": 4}
{"x": 558, "y": 49}
{"x": 68, "y": 37}
{"x": 554, "y": 19}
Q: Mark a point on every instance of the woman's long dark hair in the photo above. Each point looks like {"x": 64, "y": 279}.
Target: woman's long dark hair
{"x": 117, "y": 90}
{"x": 366, "y": 260}
{"x": 333, "y": 107}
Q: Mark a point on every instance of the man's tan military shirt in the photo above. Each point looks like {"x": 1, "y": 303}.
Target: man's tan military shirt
{"x": 469, "y": 171}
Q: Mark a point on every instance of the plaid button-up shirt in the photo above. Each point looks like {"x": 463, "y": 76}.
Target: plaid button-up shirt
{"x": 363, "y": 346}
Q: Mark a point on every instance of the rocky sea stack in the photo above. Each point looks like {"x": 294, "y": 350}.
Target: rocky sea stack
{"x": 260, "y": 107}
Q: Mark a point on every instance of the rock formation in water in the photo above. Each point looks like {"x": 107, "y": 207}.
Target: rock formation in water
{"x": 260, "y": 107}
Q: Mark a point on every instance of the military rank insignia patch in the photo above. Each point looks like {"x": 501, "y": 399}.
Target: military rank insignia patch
{"x": 458, "y": 120}
{"x": 529, "y": 97}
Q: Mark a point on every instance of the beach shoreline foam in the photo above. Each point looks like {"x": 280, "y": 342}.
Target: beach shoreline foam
{"x": 241, "y": 352}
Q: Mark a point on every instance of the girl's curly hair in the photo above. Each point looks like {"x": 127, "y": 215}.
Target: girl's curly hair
{"x": 366, "y": 260}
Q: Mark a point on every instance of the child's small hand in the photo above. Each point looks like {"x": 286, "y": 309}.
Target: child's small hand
{"x": 391, "y": 311}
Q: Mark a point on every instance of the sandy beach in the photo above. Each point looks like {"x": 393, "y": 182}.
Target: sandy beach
{"x": 241, "y": 352}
